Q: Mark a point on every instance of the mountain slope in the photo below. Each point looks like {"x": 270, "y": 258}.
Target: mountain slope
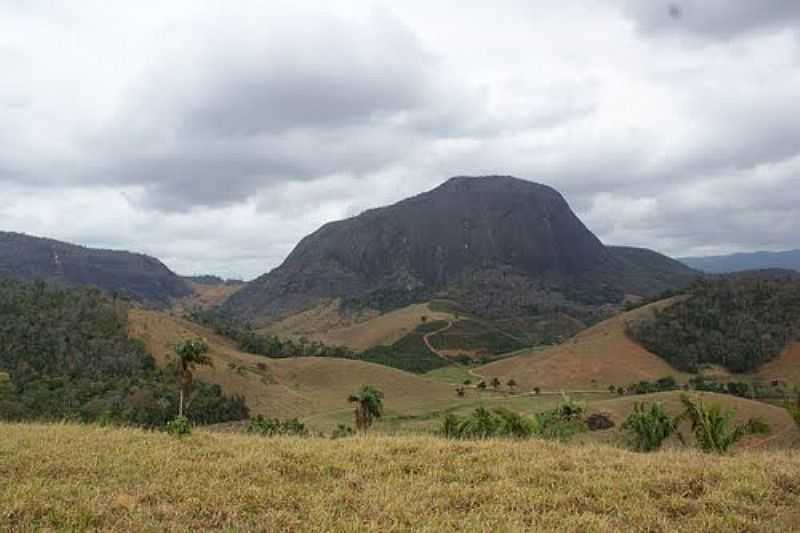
{"x": 721, "y": 264}
{"x": 600, "y": 356}
{"x": 288, "y": 387}
{"x": 138, "y": 276}
{"x": 498, "y": 245}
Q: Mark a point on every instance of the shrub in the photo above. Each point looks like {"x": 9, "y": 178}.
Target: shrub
{"x": 271, "y": 427}
{"x": 648, "y": 426}
{"x": 712, "y": 426}
{"x": 179, "y": 426}
{"x": 484, "y": 424}
{"x": 342, "y": 431}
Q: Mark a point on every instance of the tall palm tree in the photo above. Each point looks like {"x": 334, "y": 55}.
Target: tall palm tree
{"x": 369, "y": 406}
{"x": 190, "y": 353}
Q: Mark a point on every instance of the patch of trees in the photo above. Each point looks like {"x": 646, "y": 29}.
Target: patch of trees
{"x": 248, "y": 340}
{"x": 561, "y": 423}
{"x": 474, "y": 335}
{"x": 739, "y": 324}
{"x": 67, "y": 356}
{"x": 649, "y": 426}
{"x": 410, "y": 353}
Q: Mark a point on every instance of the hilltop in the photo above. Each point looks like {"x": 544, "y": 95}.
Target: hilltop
{"x": 498, "y": 246}
{"x": 69, "y": 477}
{"x": 137, "y": 276}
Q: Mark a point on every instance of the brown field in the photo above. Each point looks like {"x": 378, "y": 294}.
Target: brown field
{"x": 206, "y": 296}
{"x": 76, "y": 478}
{"x": 786, "y": 367}
{"x": 600, "y": 356}
{"x": 286, "y": 387}
{"x": 326, "y": 324}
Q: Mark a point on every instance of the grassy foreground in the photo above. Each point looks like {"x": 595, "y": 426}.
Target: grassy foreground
{"x": 69, "y": 477}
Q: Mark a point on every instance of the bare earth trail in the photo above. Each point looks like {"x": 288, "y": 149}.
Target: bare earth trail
{"x": 427, "y": 339}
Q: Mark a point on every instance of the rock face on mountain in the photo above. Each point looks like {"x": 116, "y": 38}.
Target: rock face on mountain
{"x": 495, "y": 244}
{"x": 137, "y": 276}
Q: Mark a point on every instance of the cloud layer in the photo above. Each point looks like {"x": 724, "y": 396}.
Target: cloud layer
{"x": 215, "y": 136}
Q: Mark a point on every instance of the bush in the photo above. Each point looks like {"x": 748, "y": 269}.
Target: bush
{"x": 712, "y": 426}
{"x": 485, "y": 424}
{"x": 341, "y": 431}
{"x": 179, "y": 427}
{"x": 648, "y": 426}
{"x": 271, "y": 427}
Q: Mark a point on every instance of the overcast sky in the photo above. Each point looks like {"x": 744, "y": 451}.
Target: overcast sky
{"x": 215, "y": 135}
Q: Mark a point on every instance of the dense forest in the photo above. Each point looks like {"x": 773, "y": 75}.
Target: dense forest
{"x": 68, "y": 356}
{"x": 739, "y": 323}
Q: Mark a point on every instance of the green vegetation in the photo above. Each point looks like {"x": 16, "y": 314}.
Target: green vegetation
{"x": 712, "y": 427}
{"x": 368, "y": 407}
{"x": 738, "y": 323}
{"x": 68, "y": 357}
{"x": 794, "y": 409}
{"x": 474, "y": 335}
{"x": 248, "y": 340}
{"x": 484, "y": 424}
{"x": 189, "y": 354}
{"x": 271, "y": 427}
{"x": 660, "y": 385}
{"x": 648, "y": 426}
{"x": 179, "y": 426}
{"x": 409, "y": 353}
{"x": 561, "y": 422}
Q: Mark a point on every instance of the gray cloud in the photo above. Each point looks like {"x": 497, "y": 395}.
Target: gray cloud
{"x": 716, "y": 19}
{"x": 216, "y": 136}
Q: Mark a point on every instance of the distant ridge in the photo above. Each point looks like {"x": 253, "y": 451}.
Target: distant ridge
{"x": 134, "y": 275}
{"x": 721, "y": 264}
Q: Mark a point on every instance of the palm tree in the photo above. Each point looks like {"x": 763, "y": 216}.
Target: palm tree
{"x": 713, "y": 427}
{"x": 460, "y": 391}
{"x": 369, "y": 406}
{"x": 511, "y": 384}
{"x": 495, "y": 382}
{"x": 190, "y": 353}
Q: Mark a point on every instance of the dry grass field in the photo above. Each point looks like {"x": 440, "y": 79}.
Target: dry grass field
{"x": 206, "y": 296}
{"x": 325, "y": 324}
{"x": 70, "y": 477}
{"x": 600, "y": 356}
{"x": 292, "y": 387}
{"x": 786, "y": 367}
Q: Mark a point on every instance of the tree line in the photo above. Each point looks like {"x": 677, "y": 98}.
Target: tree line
{"x": 737, "y": 323}
{"x": 65, "y": 355}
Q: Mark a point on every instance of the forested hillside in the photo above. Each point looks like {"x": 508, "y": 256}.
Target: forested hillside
{"x": 136, "y": 276}
{"x": 68, "y": 356}
{"x": 738, "y": 322}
